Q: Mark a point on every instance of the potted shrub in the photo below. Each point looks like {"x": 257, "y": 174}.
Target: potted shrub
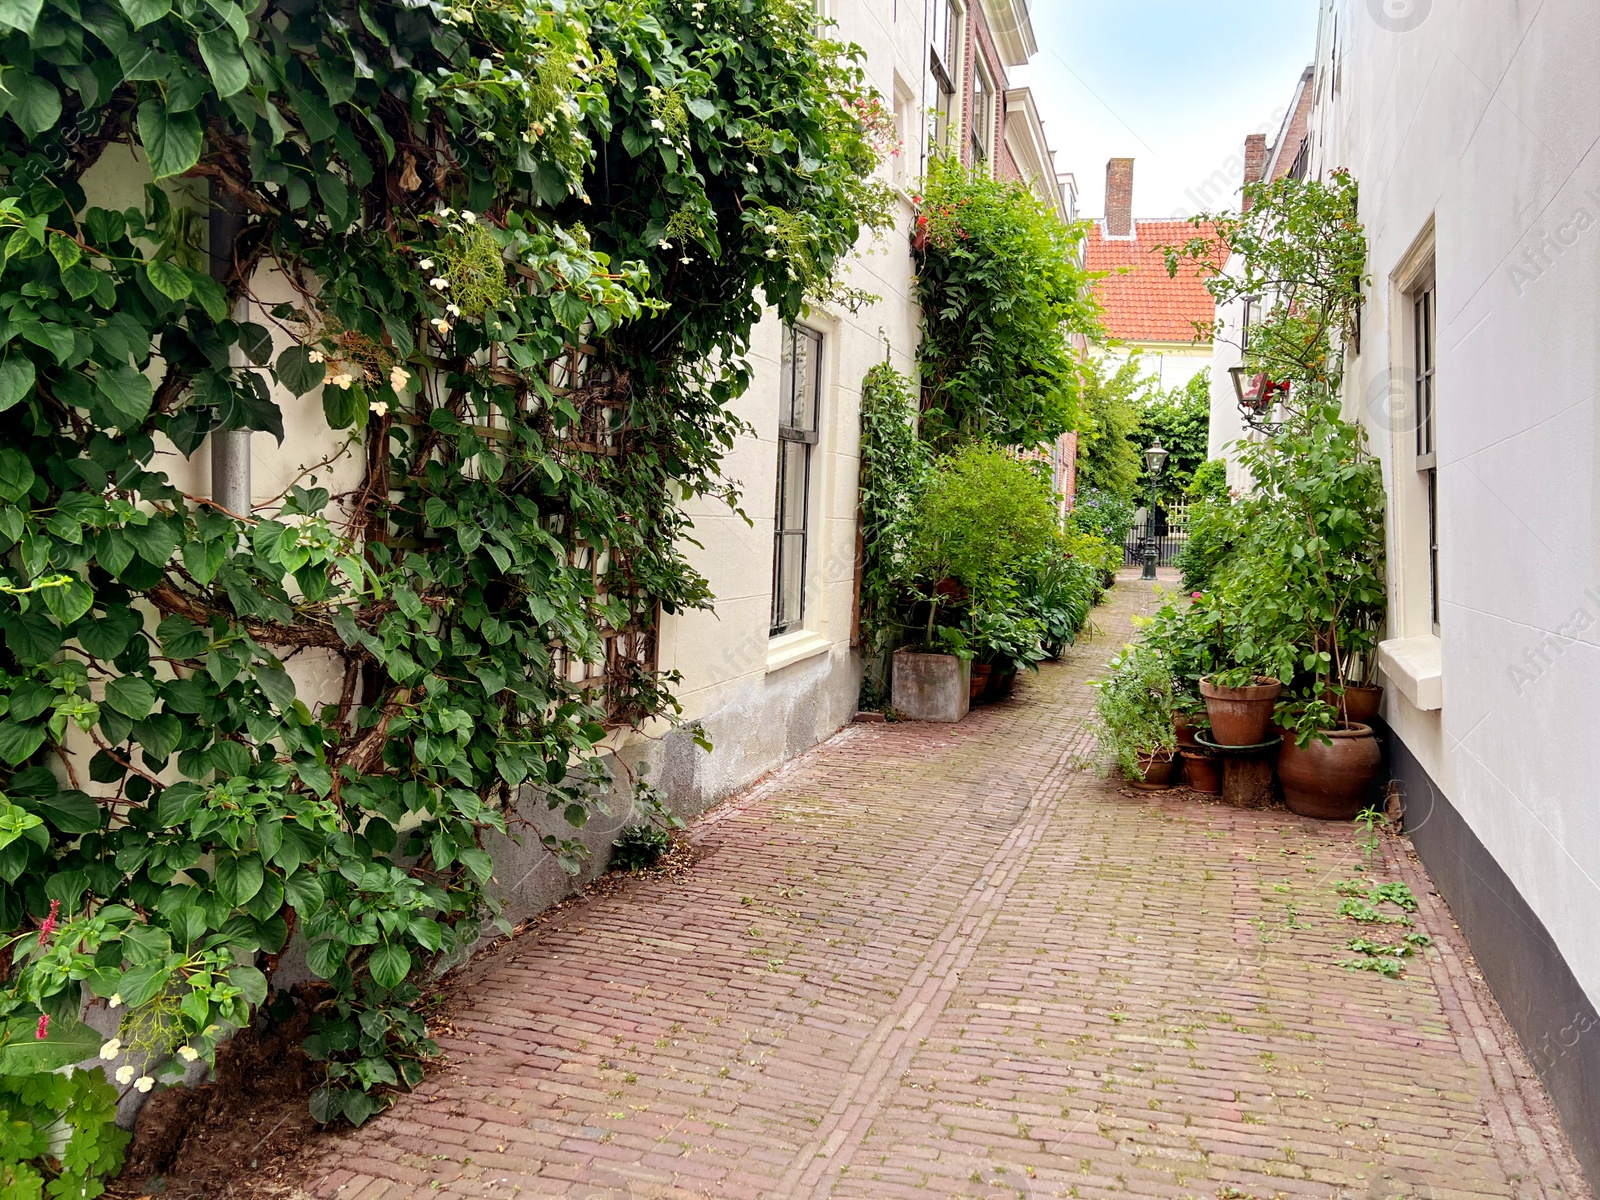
{"x": 1003, "y": 642}
{"x": 981, "y": 520}
{"x": 1326, "y": 764}
{"x": 1132, "y": 724}
{"x": 933, "y": 682}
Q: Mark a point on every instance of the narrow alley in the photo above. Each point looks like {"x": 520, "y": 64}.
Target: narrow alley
{"x": 947, "y": 960}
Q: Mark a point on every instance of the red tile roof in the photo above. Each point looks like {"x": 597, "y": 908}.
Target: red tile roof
{"x": 1140, "y": 302}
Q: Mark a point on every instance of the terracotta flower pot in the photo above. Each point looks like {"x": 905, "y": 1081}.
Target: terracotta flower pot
{"x": 1361, "y": 704}
{"x": 980, "y": 679}
{"x": 1203, "y": 772}
{"x": 1001, "y": 681}
{"x": 1184, "y": 725}
{"x": 1330, "y": 781}
{"x": 1157, "y": 770}
{"x": 1241, "y": 716}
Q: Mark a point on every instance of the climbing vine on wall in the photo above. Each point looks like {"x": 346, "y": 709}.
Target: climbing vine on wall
{"x": 1001, "y": 285}
{"x": 525, "y": 242}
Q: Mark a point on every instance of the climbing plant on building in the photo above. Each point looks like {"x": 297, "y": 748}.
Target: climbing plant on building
{"x": 526, "y": 244}
{"x": 1001, "y": 290}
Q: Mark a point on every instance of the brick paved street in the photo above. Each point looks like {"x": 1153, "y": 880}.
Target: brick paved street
{"x": 942, "y": 961}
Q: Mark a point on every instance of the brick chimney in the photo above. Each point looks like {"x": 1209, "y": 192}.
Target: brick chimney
{"x": 1119, "y": 197}
{"x": 1255, "y": 161}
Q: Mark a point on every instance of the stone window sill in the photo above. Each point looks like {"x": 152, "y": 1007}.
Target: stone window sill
{"x": 1414, "y": 667}
{"x": 795, "y": 647}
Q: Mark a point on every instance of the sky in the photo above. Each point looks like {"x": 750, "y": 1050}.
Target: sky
{"x": 1175, "y": 85}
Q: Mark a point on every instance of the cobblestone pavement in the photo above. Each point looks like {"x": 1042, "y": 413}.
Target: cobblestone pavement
{"x": 930, "y": 960}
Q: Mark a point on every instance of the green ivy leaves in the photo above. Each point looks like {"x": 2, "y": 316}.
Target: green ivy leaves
{"x": 172, "y": 140}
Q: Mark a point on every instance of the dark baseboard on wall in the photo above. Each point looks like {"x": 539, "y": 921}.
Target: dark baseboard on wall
{"x": 1555, "y": 1021}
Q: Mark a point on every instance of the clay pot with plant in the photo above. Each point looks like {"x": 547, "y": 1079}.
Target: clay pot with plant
{"x": 1132, "y": 724}
{"x": 1326, "y": 765}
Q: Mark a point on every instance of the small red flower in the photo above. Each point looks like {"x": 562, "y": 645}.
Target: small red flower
{"x": 1196, "y": 595}
{"x": 44, "y": 1027}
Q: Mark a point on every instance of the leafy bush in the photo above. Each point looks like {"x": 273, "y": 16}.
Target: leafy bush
{"x": 1000, "y": 288}
{"x": 1106, "y": 516}
{"x": 895, "y": 469}
{"x": 639, "y": 847}
{"x": 457, "y": 196}
{"x": 1109, "y": 411}
{"x": 1181, "y": 418}
{"x": 982, "y": 519}
{"x": 1060, "y": 591}
{"x": 40, "y": 1111}
{"x": 1133, "y": 711}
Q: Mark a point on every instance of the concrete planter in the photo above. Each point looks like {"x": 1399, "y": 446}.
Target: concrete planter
{"x": 932, "y": 687}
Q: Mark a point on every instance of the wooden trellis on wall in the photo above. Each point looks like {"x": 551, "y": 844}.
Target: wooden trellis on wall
{"x": 589, "y": 418}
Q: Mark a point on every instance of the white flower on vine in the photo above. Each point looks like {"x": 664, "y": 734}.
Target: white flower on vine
{"x": 125, "y": 1074}
{"x": 342, "y": 380}
{"x": 771, "y": 253}
{"x": 380, "y": 408}
{"x": 442, "y": 326}
{"x": 115, "y": 1001}
{"x": 188, "y": 1053}
{"x": 316, "y": 356}
{"x": 144, "y": 1083}
{"x": 425, "y": 265}
{"x": 751, "y": 167}
{"x": 686, "y": 260}
{"x": 453, "y": 309}
{"x": 659, "y": 125}
{"x": 399, "y": 377}
{"x": 439, "y": 282}
{"x": 666, "y": 245}
{"x": 111, "y": 1049}
{"x": 470, "y": 218}
{"x": 769, "y": 229}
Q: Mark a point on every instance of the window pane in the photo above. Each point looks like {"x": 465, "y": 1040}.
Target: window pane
{"x": 798, "y": 402}
{"x": 792, "y": 487}
{"x": 789, "y": 581}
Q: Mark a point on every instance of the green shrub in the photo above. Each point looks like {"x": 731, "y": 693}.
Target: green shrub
{"x": 37, "y": 1113}
{"x": 895, "y": 469}
{"x": 1106, "y": 516}
{"x": 1181, "y": 418}
{"x": 1133, "y": 711}
{"x": 639, "y": 847}
{"x": 984, "y": 517}
{"x": 1110, "y": 407}
{"x": 1058, "y": 593}
{"x": 1000, "y": 288}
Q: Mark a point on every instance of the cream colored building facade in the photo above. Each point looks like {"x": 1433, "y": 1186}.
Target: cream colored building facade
{"x": 1474, "y": 132}
{"x": 763, "y": 684}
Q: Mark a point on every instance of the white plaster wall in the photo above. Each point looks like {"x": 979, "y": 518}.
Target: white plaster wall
{"x": 1485, "y": 117}
{"x": 1169, "y": 366}
{"x": 759, "y": 714}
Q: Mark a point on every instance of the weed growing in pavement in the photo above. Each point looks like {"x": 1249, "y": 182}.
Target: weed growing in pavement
{"x": 1362, "y": 903}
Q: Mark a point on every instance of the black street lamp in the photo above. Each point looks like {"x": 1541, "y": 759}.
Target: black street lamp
{"x": 1156, "y": 457}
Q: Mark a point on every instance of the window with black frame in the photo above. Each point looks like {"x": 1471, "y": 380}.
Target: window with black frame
{"x": 1425, "y": 323}
{"x": 799, "y": 404}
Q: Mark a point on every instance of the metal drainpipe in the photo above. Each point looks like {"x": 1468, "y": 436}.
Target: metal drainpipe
{"x": 230, "y": 449}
